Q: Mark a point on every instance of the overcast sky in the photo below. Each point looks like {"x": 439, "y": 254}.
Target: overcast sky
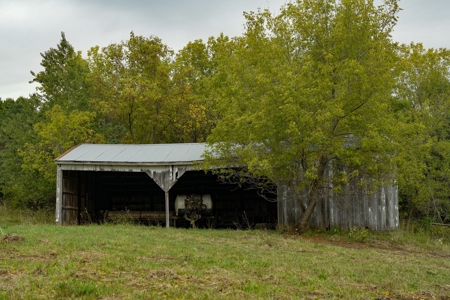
{"x": 30, "y": 27}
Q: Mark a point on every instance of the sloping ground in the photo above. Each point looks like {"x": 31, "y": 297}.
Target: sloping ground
{"x": 136, "y": 262}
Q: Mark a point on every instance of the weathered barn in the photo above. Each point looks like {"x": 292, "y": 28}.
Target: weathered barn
{"x": 357, "y": 206}
{"x": 96, "y": 181}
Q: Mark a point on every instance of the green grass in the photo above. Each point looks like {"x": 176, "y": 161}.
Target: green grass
{"x": 26, "y": 217}
{"x": 137, "y": 262}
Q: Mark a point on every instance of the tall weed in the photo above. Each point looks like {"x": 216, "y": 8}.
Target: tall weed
{"x": 26, "y": 217}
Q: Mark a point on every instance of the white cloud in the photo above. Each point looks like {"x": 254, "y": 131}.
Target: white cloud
{"x": 30, "y": 27}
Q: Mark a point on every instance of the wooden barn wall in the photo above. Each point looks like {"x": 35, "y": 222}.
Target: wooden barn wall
{"x": 77, "y": 197}
{"x": 356, "y": 207}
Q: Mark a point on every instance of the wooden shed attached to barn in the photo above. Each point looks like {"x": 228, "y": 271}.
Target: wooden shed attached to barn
{"x": 144, "y": 181}
{"x": 357, "y": 206}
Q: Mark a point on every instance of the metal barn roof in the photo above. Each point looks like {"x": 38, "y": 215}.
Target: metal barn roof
{"x": 134, "y": 154}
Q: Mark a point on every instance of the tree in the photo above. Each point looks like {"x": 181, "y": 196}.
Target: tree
{"x": 309, "y": 89}
{"x": 133, "y": 91}
{"x": 424, "y": 162}
{"x": 52, "y": 121}
{"x": 195, "y": 80}
{"x": 192, "y": 70}
{"x": 20, "y": 189}
{"x": 58, "y": 133}
{"x": 64, "y": 78}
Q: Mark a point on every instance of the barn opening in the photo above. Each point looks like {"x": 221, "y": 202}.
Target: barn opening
{"x": 97, "y": 183}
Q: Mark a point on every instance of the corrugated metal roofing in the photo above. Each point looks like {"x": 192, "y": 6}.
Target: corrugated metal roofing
{"x": 121, "y": 153}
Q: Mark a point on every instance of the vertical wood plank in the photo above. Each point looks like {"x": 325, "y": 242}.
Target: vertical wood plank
{"x": 59, "y": 195}
{"x": 383, "y": 207}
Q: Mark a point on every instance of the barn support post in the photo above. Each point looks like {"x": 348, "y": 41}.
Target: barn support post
{"x": 59, "y": 195}
{"x": 167, "y": 208}
{"x": 166, "y": 180}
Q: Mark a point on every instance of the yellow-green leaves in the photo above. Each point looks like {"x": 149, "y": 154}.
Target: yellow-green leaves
{"x": 60, "y": 132}
{"x": 140, "y": 87}
{"x": 309, "y": 86}
{"x": 424, "y": 98}
{"x": 64, "y": 78}
{"x": 132, "y": 89}
{"x": 310, "y": 79}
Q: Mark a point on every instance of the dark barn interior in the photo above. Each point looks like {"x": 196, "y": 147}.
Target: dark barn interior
{"x": 99, "y": 196}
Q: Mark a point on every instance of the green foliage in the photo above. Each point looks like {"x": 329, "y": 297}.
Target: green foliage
{"x": 60, "y": 132}
{"x": 37, "y": 130}
{"x": 193, "y": 69}
{"x": 64, "y": 78}
{"x": 144, "y": 94}
{"x": 424, "y": 159}
{"x": 359, "y": 234}
{"x": 133, "y": 89}
{"x": 19, "y": 188}
{"x": 307, "y": 87}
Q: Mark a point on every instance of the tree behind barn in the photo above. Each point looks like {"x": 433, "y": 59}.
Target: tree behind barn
{"x": 308, "y": 89}
{"x": 63, "y": 80}
{"x": 424, "y": 161}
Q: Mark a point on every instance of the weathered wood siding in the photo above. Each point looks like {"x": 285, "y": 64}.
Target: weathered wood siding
{"x": 76, "y": 201}
{"x": 356, "y": 207}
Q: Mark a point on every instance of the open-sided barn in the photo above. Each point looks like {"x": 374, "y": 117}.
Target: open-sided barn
{"x": 149, "y": 182}
{"x": 97, "y": 181}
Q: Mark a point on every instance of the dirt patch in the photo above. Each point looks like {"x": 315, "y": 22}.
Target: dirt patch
{"x": 163, "y": 275}
{"x": 420, "y": 295}
{"x": 12, "y": 237}
{"x": 380, "y": 244}
{"x": 161, "y": 259}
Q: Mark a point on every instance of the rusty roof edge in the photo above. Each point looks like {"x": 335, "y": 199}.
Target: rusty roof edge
{"x": 68, "y": 151}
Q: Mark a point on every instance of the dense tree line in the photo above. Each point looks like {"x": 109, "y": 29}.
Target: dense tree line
{"x": 320, "y": 83}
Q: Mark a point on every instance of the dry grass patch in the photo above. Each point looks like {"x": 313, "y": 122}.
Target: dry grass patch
{"x": 9, "y": 238}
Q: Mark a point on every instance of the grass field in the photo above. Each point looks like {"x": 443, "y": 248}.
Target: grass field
{"x": 43, "y": 261}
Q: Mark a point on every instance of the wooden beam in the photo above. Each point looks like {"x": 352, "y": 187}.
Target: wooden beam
{"x": 59, "y": 195}
{"x": 167, "y": 209}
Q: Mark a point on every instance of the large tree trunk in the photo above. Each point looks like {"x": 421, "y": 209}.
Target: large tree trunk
{"x": 313, "y": 199}
{"x": 314, "y": 195}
